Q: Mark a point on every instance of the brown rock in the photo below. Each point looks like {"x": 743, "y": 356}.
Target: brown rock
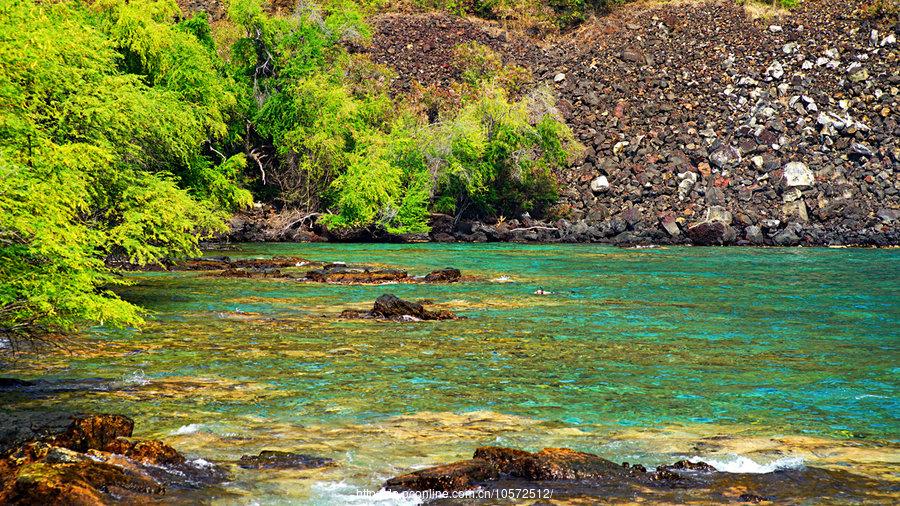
{"x": 550, "y": 464}
{"x": 147, "y": 452}
{"x": 84, "y": 483}
{"x": 709, "y": 233}
{"x": 95, "y": 431}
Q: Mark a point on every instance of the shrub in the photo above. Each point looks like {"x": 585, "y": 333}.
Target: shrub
{"x": 496, "y": 157}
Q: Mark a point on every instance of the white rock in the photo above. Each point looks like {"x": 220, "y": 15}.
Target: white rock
{"x": 792, "y": 195}
{"x": 689, "y": 175}
{"x": 807, "y": 65}
{"x": 890, "y": 40}
{"x": 684, "y": 188}
{"x": 600, "y": 184}
{"x": 620, "y": 146}
{"x": 798, "y": 174}
{"x": 775, "y": 28}
{"x": 559, "y": 77}
{"x": 718, "y": 213}
{"x": 775, "y": 70}
{"x": 758, "y": 162}
{"x": 796, "y": 209}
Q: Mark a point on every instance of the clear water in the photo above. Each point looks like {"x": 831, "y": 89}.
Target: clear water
{"x": 742, "y": 355}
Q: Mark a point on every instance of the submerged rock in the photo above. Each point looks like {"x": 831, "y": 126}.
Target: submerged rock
{"x": 341, "y": 273}
{"x": 271, "y": 459}
{"x": 225, "y": 263}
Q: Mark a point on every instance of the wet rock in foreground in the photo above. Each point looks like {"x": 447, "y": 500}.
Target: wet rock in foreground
{"x": 569, "y": 474}
{"x": 270, "y": 459}
{"x": 447, "y": 478}
{"x": 391, "y": 307}
{"x": 91, "y": 462}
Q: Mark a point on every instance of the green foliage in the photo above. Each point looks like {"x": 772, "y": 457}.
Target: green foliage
{"x": 102, "y": 142}
{"x": 498, "y": 157}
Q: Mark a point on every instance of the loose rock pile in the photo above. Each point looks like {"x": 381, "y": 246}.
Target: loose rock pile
{"x": 707, "y": 124}
{"x": 420, "y": 46}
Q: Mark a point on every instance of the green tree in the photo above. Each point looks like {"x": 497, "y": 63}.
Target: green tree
{"x": 105, "y": 116}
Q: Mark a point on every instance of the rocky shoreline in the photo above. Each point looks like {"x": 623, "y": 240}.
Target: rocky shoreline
{"x": 93, "y": 460}
{"x": 717, "y": 227}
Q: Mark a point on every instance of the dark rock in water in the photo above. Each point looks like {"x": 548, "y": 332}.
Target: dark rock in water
{"x": 448, "y": 275}
{"x": 751, "y": 498}
{"x": 270, "y": 459}
{"x": 21, "y": 426}
{"x": 340, "y": 273}
{"x": 392, "y": 307}
{"x": 691, "y": 466}
{"x": 95, "y": 432}
{"x": 13, "y": 383}
{"x": 457, "y": 476}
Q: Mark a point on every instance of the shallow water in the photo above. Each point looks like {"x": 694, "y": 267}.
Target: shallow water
{"x": 755, "y": 358}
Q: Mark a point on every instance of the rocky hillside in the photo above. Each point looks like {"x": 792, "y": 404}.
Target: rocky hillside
{"x": 701, "y": 123}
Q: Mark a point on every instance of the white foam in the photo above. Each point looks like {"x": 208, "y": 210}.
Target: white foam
{"x": 741, "y": 464}
{"x": 201, "y": 463}
{"x": 341, "y": 492}
{"x": 187, "y": 429}
{"x": 135, "y": 378}
{"x": 502, "y": 279}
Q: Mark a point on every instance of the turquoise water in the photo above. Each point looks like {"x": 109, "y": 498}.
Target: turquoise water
{"x": 637, "y": 354}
